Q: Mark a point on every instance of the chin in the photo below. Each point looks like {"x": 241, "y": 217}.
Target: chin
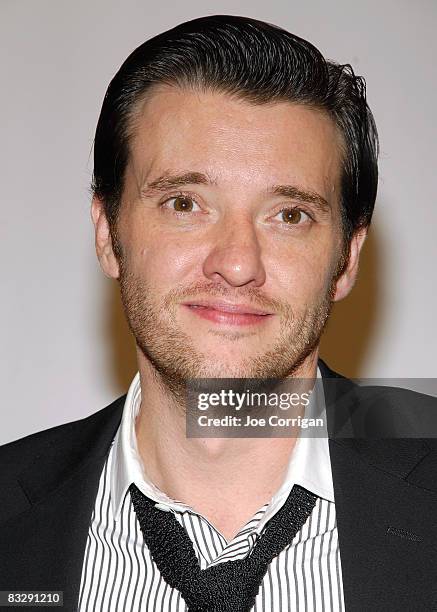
{"x": 224, "y": 370}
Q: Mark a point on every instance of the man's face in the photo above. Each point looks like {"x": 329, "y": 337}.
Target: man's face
{"x": 228, "y": 206}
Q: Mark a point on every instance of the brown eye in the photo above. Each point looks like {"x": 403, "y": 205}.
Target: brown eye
{"x": 182, "y": 204}
{"x": 293, "y": 216}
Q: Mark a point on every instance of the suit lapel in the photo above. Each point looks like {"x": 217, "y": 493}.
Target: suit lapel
{"x": 386, "y": 519}
{"x": 44, "y": 545}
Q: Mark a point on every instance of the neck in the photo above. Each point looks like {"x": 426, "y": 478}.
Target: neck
{"x": 196, "y": 471}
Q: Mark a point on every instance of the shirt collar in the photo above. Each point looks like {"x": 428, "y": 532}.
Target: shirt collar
{"x": 309, "y": 464}
{"x": 127, "y": 466}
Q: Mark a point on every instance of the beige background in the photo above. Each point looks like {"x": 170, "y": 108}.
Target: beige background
{"x": 65, "y": 349}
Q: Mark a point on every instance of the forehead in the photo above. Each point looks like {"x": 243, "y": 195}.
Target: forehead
{"x": 234, "y": 141}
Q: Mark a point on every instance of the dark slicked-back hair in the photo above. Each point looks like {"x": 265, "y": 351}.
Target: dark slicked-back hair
{"x": 257, "y": 62}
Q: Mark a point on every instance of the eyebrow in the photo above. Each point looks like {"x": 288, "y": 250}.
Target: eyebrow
{"x": 302, "y": 195}
{"x": 168, "y": 181}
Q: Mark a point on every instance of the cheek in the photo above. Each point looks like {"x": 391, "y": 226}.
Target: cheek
{"x": 162, "y": 261}
{"x": 302, "y": 273}
{"x": 301, "y": 283}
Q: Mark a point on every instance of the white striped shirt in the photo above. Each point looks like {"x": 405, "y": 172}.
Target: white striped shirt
{"x": 119, "y": 574}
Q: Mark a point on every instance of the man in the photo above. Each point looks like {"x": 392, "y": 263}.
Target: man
{"x": 235, "y": 177}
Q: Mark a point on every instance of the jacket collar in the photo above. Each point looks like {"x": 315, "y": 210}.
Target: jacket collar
{"x": 345, "y": 406}
{"x": 69, "y": 449}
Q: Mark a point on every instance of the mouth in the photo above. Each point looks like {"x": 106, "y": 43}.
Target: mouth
{"x": 228, "y": 313}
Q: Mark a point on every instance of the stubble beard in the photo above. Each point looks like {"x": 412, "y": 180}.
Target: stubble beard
{"x": 174, "y": 357}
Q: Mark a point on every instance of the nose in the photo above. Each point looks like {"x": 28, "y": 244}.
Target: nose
{"x": 235, "y": 255}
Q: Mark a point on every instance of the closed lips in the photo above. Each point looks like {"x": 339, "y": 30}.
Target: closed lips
{"x": 228, "y": 307}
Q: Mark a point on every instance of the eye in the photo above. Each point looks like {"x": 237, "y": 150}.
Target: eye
{"x": 293, "y": 216}
{"x": 181, "y": 204}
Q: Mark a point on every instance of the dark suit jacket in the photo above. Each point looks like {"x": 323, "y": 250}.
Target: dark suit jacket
{"x": 385, "y": 494}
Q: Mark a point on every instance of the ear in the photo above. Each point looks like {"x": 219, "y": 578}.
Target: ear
{"x": 103, "y": 241}
{"x": 347, "y": 280}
